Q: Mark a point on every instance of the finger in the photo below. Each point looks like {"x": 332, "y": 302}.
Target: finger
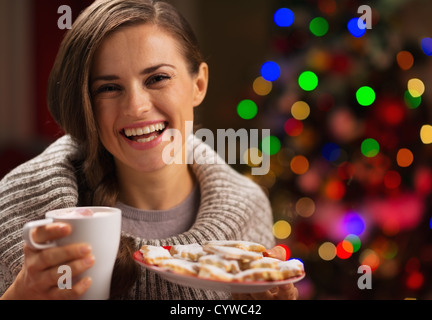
{"x": 241, "y": 296}
{"x": 44, "y": 259}
{"x": 47, "y": 279}
{"x": 277, "y": 252}
{"x": 51, "y": 232}
{"x": 267, "y": 295}
{"x": 287, "y": 292}
{"x": 77, "y": 290}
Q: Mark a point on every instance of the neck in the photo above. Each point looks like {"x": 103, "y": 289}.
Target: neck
{"x": 159, "y": 190}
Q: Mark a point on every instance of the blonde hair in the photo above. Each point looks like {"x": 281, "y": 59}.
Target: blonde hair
{"x": 69, "y": 99}
{"x": 70, "y": 103}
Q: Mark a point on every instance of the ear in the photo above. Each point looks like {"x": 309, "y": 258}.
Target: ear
{"x": 200, "y": 84}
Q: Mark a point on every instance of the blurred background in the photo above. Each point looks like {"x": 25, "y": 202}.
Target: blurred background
{"x": 348, "y": 109}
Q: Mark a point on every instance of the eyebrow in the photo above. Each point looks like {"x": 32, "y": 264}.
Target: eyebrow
{"x": 145, "y": 71}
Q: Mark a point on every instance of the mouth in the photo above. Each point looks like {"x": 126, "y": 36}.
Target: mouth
{"x": 146, "y": 133}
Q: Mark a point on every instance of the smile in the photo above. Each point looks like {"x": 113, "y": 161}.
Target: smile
{"x": 146, "y": 133}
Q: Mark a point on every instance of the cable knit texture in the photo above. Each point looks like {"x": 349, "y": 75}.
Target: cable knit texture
{"x": 232, "y": 208}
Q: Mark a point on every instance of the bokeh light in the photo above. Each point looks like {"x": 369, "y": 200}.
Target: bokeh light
{"x": 284, "y": 17}
{"x": 305, "y": 207}
{"x": 319, "y": 26}
{"x": 416, "y": 87}
{"x": 405, "y": 60}
{"x": 331, "y": 151}
{"x": 404, "y": 157}
{"x": 412, "y": 102}
{"x": 308, "y": 81}
{"x": 247, "y": 109}
{"x": 344, "y": 249}
{"x": 270, "y": 145}
{"x": 262, "y": 87}
{"x": 252, "y": 157}
{"x": 365, "y": 96}
{"x": 370, "y": 147}
{"x": 293, "y": 127}
{"x": 370, "y": 258}
{"x": 392, "y": 179}
{"x": 334, "y": 189}
{"x": 327, "y": 251}
{"x": 355, "y": 242}
{"x": 299, "y": 164}
{"x": 353, "y": 27}
{"x": 300, "y": 110}
{"x": 426, "y": 45}
{"x": 270, "y": 71}
{"x": 327, "y": 6}
{"x": 415, "y": 280}
{"x": 426, "y": 134}
{"x": 281, "y": 229}
{"x": 353, "y": 223}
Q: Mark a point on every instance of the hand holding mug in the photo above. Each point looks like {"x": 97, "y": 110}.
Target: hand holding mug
{"x": 84, "y": 241}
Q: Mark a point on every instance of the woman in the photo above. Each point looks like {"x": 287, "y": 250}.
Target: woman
{"x": 126, "y": 72}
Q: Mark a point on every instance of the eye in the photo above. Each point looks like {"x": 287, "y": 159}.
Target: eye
{"x": 157, "y": 79}
{"x": 109, "y": 89}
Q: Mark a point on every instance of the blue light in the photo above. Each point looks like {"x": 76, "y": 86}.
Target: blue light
{"x": 283, "y": 17}
{"x": 270, "y": 71}
{"x": 354, "y": 224}
{"x": 426, "y": 45}
{"x": 331, "y": 151}
{"x": 430, "y": 223}
{"x": 357, "y": 27}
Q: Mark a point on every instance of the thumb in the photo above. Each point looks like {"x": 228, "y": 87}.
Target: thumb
{"x": 278, "y": 252}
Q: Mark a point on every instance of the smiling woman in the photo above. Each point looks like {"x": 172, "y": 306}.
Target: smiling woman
{"x": 127, "y": 71}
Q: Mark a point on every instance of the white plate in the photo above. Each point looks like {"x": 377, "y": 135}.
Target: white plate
{"x": 200, "y": 283}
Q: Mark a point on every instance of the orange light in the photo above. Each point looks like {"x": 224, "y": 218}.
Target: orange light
{"x": 404, "y": 157}
{"x": 405, "y": 60}
{"x": 299, "y": 165}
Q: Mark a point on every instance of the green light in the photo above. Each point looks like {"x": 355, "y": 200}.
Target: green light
{"x": 412, "y": 102}
{"x": 270, "y": 145}
{"x": 370, "y": 148}
{"x": 308, "y": 81}
{"x": 319, "y": 26}
{"x": 355, "y": 241}
{"x": 247, "y": 109}
{"x": 365, "y": 96}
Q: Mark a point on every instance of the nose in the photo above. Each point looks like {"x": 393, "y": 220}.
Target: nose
{"x": 137, "y": 102}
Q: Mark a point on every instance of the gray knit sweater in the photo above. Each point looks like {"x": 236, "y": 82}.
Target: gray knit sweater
{"x": 232, "y": 207}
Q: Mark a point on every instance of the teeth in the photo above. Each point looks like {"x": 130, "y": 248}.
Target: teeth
{"x": 146, "y": 139}
{"x": 144, "y": 130}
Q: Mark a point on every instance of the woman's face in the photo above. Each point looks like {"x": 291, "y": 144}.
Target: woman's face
{"x": 141, "y": 86}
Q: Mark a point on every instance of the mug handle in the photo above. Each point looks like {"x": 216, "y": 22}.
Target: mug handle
{"x": 27, "y": 234}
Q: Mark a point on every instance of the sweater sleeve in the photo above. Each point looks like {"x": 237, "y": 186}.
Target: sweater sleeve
{"x": 44, "y": 183}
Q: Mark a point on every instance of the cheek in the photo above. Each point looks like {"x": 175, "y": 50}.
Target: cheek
{"x": 104, "y": 120}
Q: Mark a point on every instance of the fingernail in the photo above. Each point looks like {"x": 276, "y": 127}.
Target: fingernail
{"x": 85, "y": 249}
{"x": 87, "y": 282}
{"x": 89, "y": 260}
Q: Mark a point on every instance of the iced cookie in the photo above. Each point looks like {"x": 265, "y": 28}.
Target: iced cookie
{"x": 245, "y": 245}
{"x": 190, "y": 252}
{"x": 154, "y": 255}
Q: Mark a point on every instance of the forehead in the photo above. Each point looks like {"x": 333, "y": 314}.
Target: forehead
{"x": 137, "y": 46}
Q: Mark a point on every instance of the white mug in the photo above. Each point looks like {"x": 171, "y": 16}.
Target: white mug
{"x": 99, "y": 227}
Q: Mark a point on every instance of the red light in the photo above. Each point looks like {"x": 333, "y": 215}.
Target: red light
{"x": 415, "y": 280}
{"x": 344, "y": 249}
